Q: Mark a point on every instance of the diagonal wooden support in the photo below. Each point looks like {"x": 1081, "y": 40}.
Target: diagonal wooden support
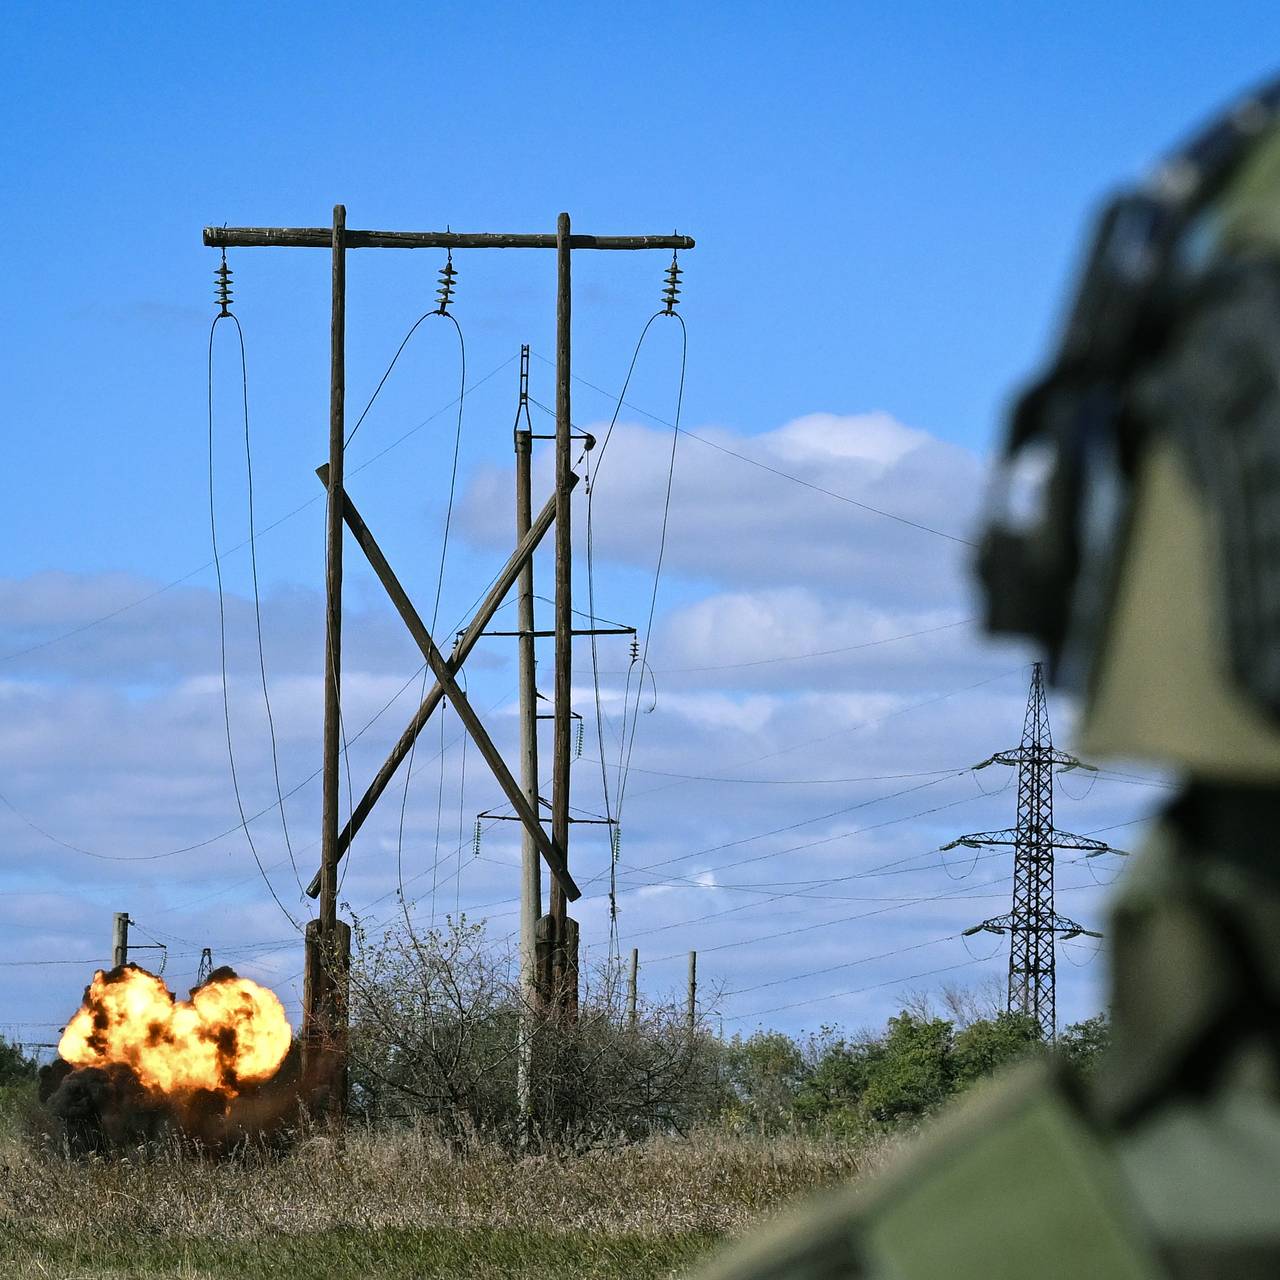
{"x": 551, "y": 852}
{"x": 467, "y": 641}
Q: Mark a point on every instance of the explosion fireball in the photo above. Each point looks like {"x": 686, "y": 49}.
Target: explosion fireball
{"x": 232, "y": 1033}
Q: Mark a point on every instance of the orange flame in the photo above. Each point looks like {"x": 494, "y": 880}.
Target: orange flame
{"x": 231, "y": 1033}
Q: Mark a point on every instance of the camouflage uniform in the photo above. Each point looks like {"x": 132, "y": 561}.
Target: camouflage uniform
{"x": 1157, "y": 550}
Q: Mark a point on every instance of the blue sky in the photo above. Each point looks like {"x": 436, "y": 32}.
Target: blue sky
{"x": 887, "y": 201}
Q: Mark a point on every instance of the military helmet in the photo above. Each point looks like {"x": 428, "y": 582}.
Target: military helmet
{"x": 1133, "y": 525}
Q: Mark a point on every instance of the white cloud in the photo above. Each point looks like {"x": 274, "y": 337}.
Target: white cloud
{"x": 770, "y": 791}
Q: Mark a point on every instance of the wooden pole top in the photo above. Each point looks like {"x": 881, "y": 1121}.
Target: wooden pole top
{"x": 322, "y": 238}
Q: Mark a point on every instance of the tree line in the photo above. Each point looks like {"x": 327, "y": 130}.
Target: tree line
{"x": 436, "y": 1018}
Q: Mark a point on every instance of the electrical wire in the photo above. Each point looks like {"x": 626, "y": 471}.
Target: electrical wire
{"x": 862, "y": 724}
{"x": 599, "y": 707}
{"x": 657, "y": 572}
{"x": 857, "y": 991}
{"x": 819, "y": 653}
{"x": 82, "y": 627}
{"x": 257, "y": 611}
{"x": 803, "y": 822}
{"x": 785, "y": 475}
{"x": 435, "y": 613}
{"x": 222, "y": 633}
{"x": 846, "y": 964}
{"x": 643, "y": 656}
{"x": 592, "y": 484}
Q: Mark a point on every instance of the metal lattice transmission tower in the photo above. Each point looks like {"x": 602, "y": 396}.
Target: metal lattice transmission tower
{"x": 1033, "y": 925}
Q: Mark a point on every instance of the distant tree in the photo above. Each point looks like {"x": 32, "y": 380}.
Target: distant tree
{"x": 936, "y": 1047}
{"x": 765, "y": 1073}
{"x": 15, "y": 1066}
{"x": 914, "y": 1072}
{"x": 988, "y": 1044}
{"x": 839, "y": 1072}
{"x": 1083, "y": 1043}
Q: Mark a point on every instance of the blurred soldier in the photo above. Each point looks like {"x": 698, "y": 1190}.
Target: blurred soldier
{"x": 1135, "y": 535}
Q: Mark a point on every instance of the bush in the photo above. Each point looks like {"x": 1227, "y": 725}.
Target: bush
{"x": 831, "y": 1097}
{"x": 832, "y": 1084}
{"x": 15, "y": 1066}
{"x": 989, "y": 1044}
{"x": 436, "y": 1021}
{"x": 1084, "y": 1043}
{"x": 763, "y": 1073}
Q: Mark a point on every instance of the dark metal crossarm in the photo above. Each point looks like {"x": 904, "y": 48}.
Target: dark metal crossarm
{"x": 1054, "y": 839}
{"x": 1059, "y": 924}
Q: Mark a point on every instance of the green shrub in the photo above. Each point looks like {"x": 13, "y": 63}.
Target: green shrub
{"x": 15, "y": 1066}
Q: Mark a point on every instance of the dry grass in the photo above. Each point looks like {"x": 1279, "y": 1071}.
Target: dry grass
{"x": 400, "y": 1205}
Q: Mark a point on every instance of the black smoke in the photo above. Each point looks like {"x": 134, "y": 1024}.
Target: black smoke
{"x": 108, "y": 1108}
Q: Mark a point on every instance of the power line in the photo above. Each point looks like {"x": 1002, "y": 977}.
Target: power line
{"x": 856, "y": 991}
{"x": 435, "y": 609}
{"x": 818, "y": 653}
{"x": 785, "y": 475}
{"x": 222, "y": 616}
{"x": 257, "y": 604}
{"x": 823, "y": 924}
{"x": 239, "y": 546}
{"x": 642, "y": 658}
{"x": 847, "y": 964}
{"x": 794, "y": 826}
{"x": 864, "y": 724}
{"x": 796, "y": 782}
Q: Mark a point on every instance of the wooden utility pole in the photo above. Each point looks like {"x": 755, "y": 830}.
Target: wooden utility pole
{"x": 327, "y": 938}
{"x": 119, "y": 939}
{"x": 564, "y": 932}
{"x": 692, "y": 1011}
{"x": 530, "y": 864}
{"x": 632, "y": 985}
{"x": 333, "y": 576}
{"x": 328, "y": 941}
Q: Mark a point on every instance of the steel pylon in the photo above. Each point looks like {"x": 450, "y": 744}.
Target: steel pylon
{"x": 1032, "y": 924}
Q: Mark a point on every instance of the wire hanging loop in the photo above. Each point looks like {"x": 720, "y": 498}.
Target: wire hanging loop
{"x": 444, "y": 294}
{"x": 222, "y": 286}
{"x": 671, "y": 294}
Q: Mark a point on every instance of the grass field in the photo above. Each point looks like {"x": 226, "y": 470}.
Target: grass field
{"x": 400, "y": 1205}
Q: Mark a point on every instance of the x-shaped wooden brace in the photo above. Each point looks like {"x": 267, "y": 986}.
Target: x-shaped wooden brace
{"x": 444, "y": 670}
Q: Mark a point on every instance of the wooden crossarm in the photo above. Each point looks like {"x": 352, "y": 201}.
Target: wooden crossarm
{"x": 552, "y": 854}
